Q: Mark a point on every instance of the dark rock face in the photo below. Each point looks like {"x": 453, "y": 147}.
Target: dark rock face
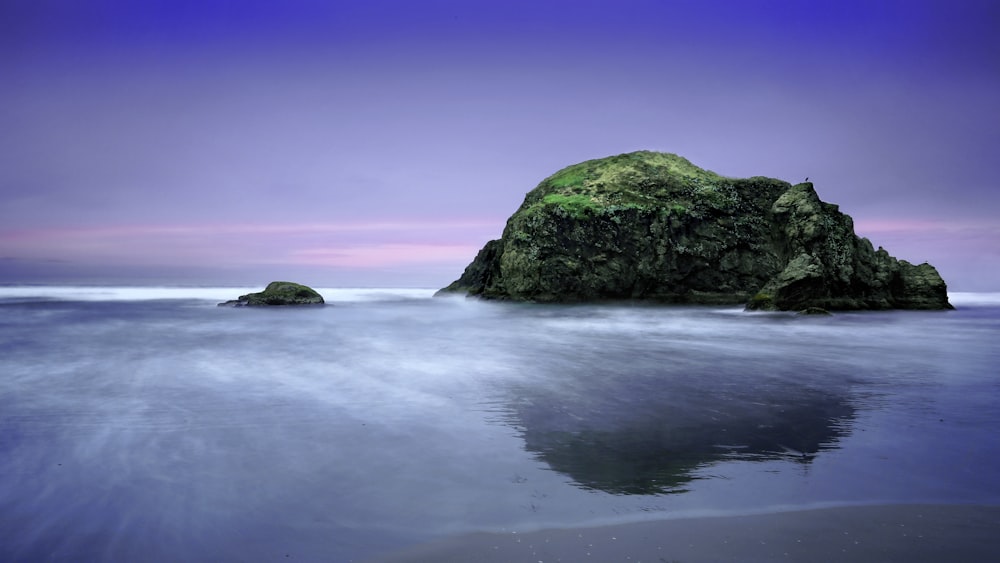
{"x": 815, "y": 311}
{"x": 652, "y": 226}
{"x": 278, "y": 293}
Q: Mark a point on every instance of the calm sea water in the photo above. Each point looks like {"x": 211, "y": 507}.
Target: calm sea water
{"x": 149, "y": 424}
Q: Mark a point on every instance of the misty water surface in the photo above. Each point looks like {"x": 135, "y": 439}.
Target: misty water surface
{"x": 153, "y": 425}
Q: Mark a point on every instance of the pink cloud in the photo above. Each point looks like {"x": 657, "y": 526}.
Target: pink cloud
{"x": 879, "y": 225}
{"x": 931, "y": 239}
{"x": 895, "y": 225}
{"x": 374, "y": 256}
{"x": 247, "y": 228}
{"x": 360, "y": 244}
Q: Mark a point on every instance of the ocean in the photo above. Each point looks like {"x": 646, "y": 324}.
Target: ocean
{"x": 147, "y": 424}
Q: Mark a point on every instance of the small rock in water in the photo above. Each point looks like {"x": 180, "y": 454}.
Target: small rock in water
{"x": 814, "y": 311}
{"x": 278, "y": 293}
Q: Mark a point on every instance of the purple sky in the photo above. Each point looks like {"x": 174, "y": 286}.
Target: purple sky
{"x": 381, "y": 143}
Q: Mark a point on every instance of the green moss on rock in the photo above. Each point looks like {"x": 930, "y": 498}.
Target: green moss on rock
{"x": 279, "y": 293}
{"x": 652, "y": 226}
{"x": 576, "y": 205}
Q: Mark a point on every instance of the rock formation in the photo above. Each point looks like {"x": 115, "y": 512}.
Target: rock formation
{"x": 652, "y": 226}
{"x": 278, "y": 293}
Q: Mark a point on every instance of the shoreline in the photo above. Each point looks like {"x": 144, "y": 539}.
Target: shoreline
{"x": 894, "y": 532}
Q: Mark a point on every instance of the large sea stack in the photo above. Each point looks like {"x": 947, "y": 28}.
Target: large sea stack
{"x": 652, "y": 226}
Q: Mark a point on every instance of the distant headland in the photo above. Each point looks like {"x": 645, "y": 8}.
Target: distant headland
{"x": 653, "y": 227}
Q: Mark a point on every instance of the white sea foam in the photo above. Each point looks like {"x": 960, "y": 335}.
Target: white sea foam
{"x": 972, "y": 299}
{"x": 373, "y": 294}
{"x": 331, "y": 294}
{"x": 124, "y": 293}
{"x": 127, "y": 293}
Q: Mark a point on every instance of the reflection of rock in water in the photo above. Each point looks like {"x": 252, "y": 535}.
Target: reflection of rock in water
{"x": 638, "y": 445}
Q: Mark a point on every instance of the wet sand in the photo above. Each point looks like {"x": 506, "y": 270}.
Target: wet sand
{"x": 860, "y": 533}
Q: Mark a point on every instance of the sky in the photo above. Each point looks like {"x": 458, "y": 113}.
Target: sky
{"x": 382, "y": 143}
